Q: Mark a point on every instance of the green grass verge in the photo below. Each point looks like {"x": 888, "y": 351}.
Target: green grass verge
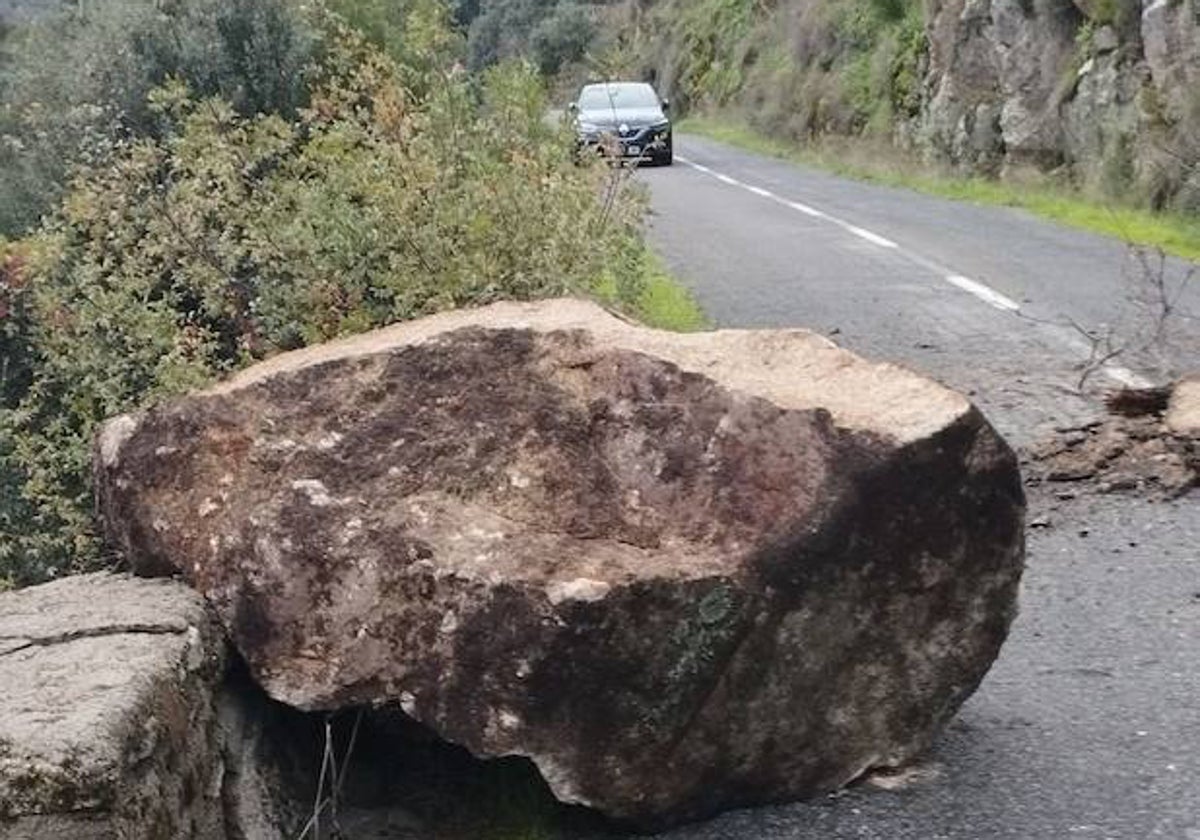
{"x": 1174, "y": 233}
{"x": 667, "y": 305}
{"x": 664, "y": 303}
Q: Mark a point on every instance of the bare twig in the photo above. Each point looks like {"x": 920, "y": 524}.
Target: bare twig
{"x": 332, "y": 778}
{"x": 1104, "y": 347}
{"x": 341, "y": 778}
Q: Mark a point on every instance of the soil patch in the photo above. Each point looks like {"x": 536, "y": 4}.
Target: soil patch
{"x": 1126, "y": 452}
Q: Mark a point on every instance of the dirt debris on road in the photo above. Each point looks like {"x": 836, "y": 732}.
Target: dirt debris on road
{"x": 1139, "y": 447}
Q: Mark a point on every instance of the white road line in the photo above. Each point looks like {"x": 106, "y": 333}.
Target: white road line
{"x": 863, "y": 233}
{"x": 1124, "y": 376}
{"x": 985, "y": 293}
{"x": 973, "y": 287}
{"x": 806, "y": 210}
{"x": 1120, "y": 375}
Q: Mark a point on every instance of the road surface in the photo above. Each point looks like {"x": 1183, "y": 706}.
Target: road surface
{"x": 1089, "y": 724}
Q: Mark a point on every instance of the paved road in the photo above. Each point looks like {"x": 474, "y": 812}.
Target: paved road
{"x": 1089, "y": 725}
{"x": 899, "y": 275}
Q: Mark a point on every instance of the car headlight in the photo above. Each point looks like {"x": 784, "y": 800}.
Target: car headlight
{"x": 662, "y": 127}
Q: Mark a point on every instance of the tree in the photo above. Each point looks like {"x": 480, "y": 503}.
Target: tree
{"x": 562, "y": 38}
{"x": 504, "y": 29}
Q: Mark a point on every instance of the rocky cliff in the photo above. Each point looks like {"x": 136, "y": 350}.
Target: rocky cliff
{"x": 1111, "y": 89}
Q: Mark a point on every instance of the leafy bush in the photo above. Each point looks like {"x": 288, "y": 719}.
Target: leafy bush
{"x": 399, "y": 190}
{"x": 74, "y": 80}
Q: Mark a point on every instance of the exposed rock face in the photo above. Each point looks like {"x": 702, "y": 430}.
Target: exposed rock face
{"x": 1109, "y": 88}
{"x": 108, "y": 727}
{"x": 677, "y": 572}
{"x": 994, "y": 67}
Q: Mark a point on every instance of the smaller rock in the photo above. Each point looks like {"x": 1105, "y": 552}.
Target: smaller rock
{"x": 1090, "y": 426}
{"x": 1068, "y": 471}
{"x": 905, "y": 778}
{"x": 1183, "y": 411}
{"x": 1120, "y": 483}
{"x": 108, "y": 722}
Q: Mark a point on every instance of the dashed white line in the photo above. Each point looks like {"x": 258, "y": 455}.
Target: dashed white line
{"x": 1120, "y": 375}
{"x": 863, "y": 233}
{"x": 806, "y": 210}
{"x": 985, "y": 293}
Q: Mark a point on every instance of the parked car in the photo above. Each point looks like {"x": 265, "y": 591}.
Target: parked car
{"x": 626, "y": 119}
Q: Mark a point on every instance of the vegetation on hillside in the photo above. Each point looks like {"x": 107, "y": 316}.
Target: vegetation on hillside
{"x": 393, "y": 185}
{"x": 844, "y": 66}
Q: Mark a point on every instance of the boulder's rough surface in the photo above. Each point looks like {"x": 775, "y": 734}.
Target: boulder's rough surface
{"x": 678, "y": 572}
{"x": 107, "y": 724}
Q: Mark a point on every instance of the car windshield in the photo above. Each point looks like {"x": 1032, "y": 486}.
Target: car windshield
{"x": 599, "y": 97}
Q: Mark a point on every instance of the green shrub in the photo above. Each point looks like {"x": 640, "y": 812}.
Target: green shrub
{"x": 398, "y": 191}
{"x": 75, "y": 80}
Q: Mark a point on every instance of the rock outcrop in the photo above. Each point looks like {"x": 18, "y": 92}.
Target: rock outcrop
{"x": 995, "y": 72}
{"x": 678, "y": 572}
{"x": 118, "y": 722}
{"x": 1108, "y": 89}
{"x": 1104, "y": 94}
{"x": 109, "y": 727}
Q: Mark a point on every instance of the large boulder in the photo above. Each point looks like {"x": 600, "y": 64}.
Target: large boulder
{"x": 107, "y": 724}
{"x": 677, "y": 572}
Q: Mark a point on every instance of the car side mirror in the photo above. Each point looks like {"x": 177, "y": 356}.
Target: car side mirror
{"x": 666, "y": 105}
{"x": 573, "y": 108}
